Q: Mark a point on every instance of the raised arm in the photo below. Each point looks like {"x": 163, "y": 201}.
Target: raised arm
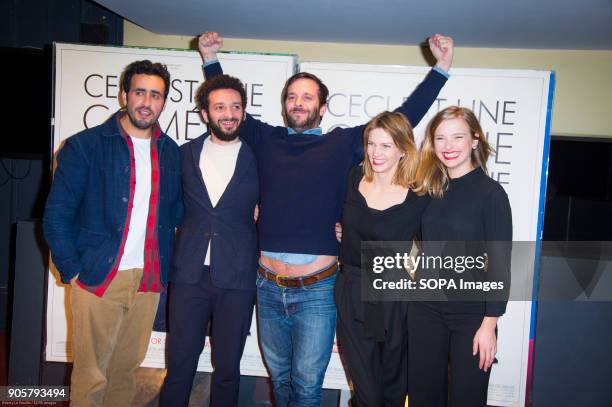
{"x": 442, "y": 48}
{"x": 252, "y": 129}
{"x": 209, "y": 44}
{"x": 425, "y": 94}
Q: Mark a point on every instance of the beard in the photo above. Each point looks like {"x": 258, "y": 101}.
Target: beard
{"x": 143, "y": 124}
{"x": 309, "y": 122}
{"x": 223, "y": 135}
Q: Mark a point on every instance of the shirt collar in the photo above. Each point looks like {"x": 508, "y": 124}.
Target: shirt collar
{"x": 317, "y": 131}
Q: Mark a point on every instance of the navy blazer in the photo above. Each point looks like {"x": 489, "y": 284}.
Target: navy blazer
{"x": 229, "y": 226}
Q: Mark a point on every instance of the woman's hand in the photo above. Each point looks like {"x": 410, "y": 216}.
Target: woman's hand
{"x": 338, "y": 232}
{"x": 485, "y": 343}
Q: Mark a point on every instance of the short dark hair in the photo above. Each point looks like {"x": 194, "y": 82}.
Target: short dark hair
{"x": 323, "y": 91}
{"x": 216, "y": 83}
{"x": 145, "y": 67}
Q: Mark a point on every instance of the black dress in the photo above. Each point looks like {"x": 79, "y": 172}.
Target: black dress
{"x": 475, "y": 208}
{"x": 372, "y": 336}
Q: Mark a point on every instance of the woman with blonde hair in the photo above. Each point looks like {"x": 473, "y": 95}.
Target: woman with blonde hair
{"x": 380, "y": 205}
{"x": 466, "y": 206}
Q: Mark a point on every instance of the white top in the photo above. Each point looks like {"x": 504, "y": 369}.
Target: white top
{"x": 133, "y": 253}
{"x": 217, "y": 164}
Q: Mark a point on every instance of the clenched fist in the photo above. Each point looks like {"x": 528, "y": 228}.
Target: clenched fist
{"x": 442, "y": 48}
{"x": 208, "y": 44}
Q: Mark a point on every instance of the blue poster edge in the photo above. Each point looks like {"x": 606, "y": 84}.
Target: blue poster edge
{"x": 542, "y": 201}
{"x": 540, "y": 228}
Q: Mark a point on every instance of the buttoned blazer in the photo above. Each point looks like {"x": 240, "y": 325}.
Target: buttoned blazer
{"x": 228, "y": 226}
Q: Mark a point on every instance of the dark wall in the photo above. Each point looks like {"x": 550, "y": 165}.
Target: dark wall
{"x": 572, "y": 356}
{"x": 23, "y": 188}
{"x": 579, "y": 190}
{"x": 573, "y": 333}
{"x": 36, "y": 23}
{"x": 27, "y": 30}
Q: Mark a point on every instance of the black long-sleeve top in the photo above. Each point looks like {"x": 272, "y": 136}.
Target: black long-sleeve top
{"x": 474, "y": 208}
{"x": 361, "y": 223}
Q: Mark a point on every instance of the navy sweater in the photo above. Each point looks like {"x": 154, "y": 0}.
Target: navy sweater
{"x": 302, "y": 178}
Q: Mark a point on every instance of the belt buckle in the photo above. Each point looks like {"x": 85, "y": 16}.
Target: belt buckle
{"x": 277, "y": 278}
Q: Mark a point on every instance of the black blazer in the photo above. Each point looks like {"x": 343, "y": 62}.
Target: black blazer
{"x": 230, "y": 224}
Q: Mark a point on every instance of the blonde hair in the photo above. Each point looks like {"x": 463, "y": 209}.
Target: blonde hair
{"x": 432, "y": 175}
{"x": 397, "y": 126}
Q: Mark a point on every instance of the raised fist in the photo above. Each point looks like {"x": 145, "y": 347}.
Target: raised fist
{"x": 209, "y": 43}
{"x": 442, "y": 48}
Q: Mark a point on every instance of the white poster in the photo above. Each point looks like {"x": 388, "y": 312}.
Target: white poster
{"x": 513, "y": 107}
{"x": 86, "y": 89}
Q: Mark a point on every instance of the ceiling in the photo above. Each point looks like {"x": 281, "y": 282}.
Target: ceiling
{"x": 544, "y": 24}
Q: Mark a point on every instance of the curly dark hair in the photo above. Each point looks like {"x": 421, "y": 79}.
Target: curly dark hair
{"x": 145, "y": 67}
{"x": 216, "y": 83}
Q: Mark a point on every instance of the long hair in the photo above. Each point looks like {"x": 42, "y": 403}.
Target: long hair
{"x": 397, "y": 126}
{"x": 432, "y": 175}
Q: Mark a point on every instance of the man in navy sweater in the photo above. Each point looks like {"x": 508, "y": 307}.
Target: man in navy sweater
{"x": 302, "y": 175}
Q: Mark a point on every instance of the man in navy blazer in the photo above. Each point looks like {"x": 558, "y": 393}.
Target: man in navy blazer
{"x": 215, "y": 254}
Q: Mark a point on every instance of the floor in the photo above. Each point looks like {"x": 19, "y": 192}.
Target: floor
{"x": 254, "y": 391}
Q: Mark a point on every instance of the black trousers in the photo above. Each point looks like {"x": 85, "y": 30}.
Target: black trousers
{"x": 191, "y": 306}
{"x": 376, "y": 368}
{"x": 441, "y": 334}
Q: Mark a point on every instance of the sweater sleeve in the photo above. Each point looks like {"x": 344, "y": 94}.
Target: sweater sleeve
{"x": 498, "y": 240}
{"x": 213, "y": 69}
{"x": 421, "y": 99}
{"x": 414, "y": 108}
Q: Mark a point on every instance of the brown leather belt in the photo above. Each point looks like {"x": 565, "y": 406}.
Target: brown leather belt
{"x": 295, "y": 282}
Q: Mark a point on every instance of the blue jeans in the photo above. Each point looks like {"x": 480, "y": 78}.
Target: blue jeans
{"x": 296, "y": 331}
